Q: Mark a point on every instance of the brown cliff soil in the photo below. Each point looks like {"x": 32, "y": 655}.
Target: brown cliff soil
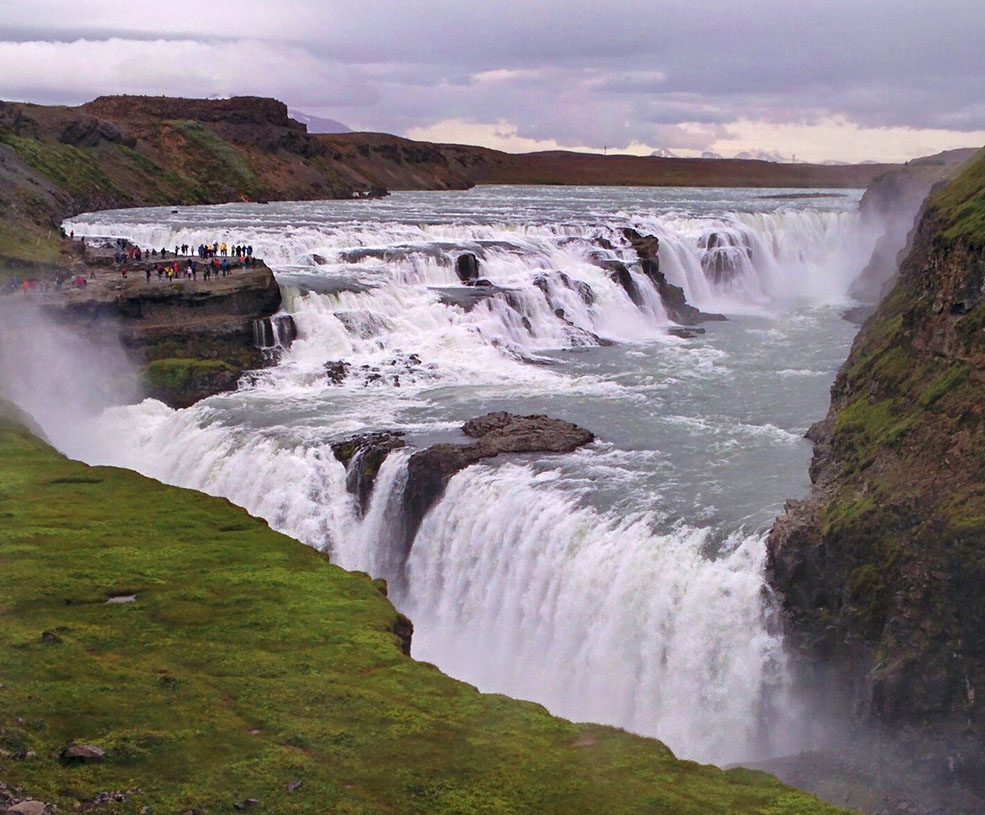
{"x": 880, "y": 570}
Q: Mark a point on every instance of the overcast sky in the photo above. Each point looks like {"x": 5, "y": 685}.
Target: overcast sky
{"x": 822, "y": 79}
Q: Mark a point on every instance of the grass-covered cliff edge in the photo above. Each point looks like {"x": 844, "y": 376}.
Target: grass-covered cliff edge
{"x": 881, "y": 571}
{"x": 247, "y": 663}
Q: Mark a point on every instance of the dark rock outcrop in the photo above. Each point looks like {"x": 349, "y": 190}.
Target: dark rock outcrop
{"x": 362, "y": 456}
{"x": 336, "y": 370}
{"x": 721, "y": 261}
{"x": 467, "y": 267}
{"x": 82, "y": 754}
{"x": 429, "y": 471}
{"x": 647, "y": 249}
{"x": 879, "y": 571}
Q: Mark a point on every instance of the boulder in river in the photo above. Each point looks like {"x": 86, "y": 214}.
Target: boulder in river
{"x": 336, "y": 371}
{"x": 467, "y": 267}
{"x": 429, "y": 471}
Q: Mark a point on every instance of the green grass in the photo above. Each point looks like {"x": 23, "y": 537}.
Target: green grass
{"x": 961, "y": 204}
{"x": 248, "y": 661}
{"x": 178, "y": 374}
{"x": 73, "y": 169}
{"x": 217, "y": 162}
{"x": 24, "y": 241}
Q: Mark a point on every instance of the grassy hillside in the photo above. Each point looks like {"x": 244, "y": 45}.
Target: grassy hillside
{"x": 248, "y": 662}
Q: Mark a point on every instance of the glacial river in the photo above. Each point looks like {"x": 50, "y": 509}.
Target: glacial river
{"x": 622, "y": 583}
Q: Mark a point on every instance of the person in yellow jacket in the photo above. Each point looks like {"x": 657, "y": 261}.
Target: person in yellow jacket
{"x": 223, "y": 249}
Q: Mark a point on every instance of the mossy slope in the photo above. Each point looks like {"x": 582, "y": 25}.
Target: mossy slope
{"x": 249, "y": 661}
{"x": 881, "y": 569}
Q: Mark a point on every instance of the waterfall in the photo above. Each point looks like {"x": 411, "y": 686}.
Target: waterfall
{"x": 622, "y": 583}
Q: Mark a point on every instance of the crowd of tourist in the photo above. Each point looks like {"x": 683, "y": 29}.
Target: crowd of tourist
{"x": 214, "y": 260}
{"x": 209, "y": 261}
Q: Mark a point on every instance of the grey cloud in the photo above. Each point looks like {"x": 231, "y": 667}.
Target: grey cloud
{"x": 583, "y": 73}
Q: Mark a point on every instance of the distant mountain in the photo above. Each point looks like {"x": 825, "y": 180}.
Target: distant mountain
{"x": 835, "y": 163}
{"x": 763, "y": 155}
{"x": 318, "y": 125}
{"x": 663, "y": 152}
{"x": 711, "y": 154}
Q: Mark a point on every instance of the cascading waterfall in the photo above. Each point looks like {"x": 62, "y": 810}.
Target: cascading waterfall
{"x": 622, "y": 583}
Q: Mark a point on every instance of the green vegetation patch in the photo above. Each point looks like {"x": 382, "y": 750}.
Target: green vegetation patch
{"x": 961, "y": 204}
{"x": 179, "y": 374}
{"x": 75, "y": 170}
{"x": 217, "y": 163}
{"x": 248, "y": 662}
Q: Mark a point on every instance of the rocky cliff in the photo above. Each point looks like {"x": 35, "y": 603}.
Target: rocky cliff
{"x": 880, "y": 570}
{"x": 891, "y": 205}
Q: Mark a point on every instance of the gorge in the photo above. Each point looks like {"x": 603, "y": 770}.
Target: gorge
{"x": 626, "y": 579}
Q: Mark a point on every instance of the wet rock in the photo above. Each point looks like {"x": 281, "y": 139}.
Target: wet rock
{"x": 336, "y": 371}
{"x": 323, "y": 284}
{"x": 580, "y": 287}
{"x": 295, "y": 785}
{"x": 428, "y": 471}
{"x": 647, "y": 249}
{"x": 248, "y": 803}
{"x": 684, "y": 333}
{"x": 723, "y": 256}
{"x": 364, "y": 324}
{"x": 619, "y": 273}
{"x": 50, "y": 637}
{"x": 362, "y": 457}
{"x": 82, "y": 754}
{"x": 467, "y": 296}
{"x": 467, "y": 267}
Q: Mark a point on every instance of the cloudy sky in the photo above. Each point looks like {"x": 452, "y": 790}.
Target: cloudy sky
{"x": 821, "y": 79}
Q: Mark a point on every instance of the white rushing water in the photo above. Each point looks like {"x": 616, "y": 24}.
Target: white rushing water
{"x": 622, "y": 583}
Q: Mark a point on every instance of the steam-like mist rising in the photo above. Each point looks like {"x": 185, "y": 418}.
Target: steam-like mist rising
{"x": 58, "y": 374}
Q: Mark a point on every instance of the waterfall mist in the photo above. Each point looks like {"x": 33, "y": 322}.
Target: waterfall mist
{"x": 62, "y": 377}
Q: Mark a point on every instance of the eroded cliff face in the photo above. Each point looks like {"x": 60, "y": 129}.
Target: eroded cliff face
{"x": 881, "y": 570}
{"x": 892, "y": 203}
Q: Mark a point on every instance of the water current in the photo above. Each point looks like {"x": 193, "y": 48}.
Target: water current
{"x": 622, "y": 583}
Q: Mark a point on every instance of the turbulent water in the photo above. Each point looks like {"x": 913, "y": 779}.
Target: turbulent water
{"x": 621, "y": 583}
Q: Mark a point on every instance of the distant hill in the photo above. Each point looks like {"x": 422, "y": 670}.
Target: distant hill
{"x": 122, "y": 151}
{"x": 316, "y": 124}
